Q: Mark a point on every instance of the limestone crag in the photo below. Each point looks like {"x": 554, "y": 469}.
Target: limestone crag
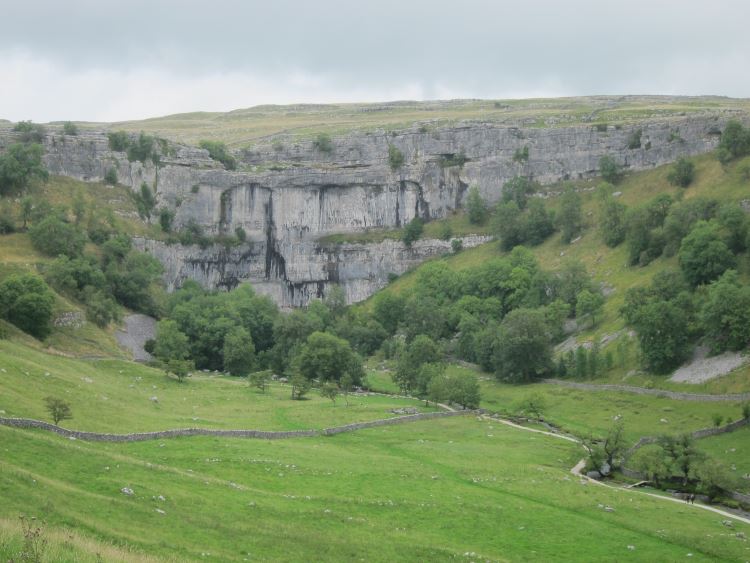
{"x": 288, "y": 195}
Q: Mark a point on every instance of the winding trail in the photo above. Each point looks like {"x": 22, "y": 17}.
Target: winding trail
{"x": 677, "y": 395}
{"x": 578, "y": 468}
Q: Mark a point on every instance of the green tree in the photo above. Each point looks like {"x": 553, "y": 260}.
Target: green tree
{"x": 570, "y": 217}
{"x": 609, "y": 169}
{"x": 323, "y": 143}
{"x": 329, "y": 390}
{"x": 260, "y": 379}
{"x": 179, "y": 368}
{"x": 326, "y": 357}
{"x": 388, "y": 309}
{"x": 734, "y": 224}
{"x": 218, "y": 151}
{"x": 70, "y": 128}
{"x": 681, "y": 454}
{"x": 58, "y": 409}
{"x": 395, "y": 157}
{"x": 347, "y": 386}
{"x": 663, "y": 334}
{"x": 589, "y": 304}
{"x": 735, "y": 141}
{"x": 20, "y": 166}
{"x": 508, "y": 224}
{"x": 523, "y": 351}
{"x": 422, "y": 350}
{"x": 704, "y": 255}
{"x": 518, "y": 189}
{"x": 412, "y": 231}
{"x": 170, "y": 343}
{"x": 142, "y": 149}
{"x": 682, "y": 173}
{"x": 612, "y": 222}
{"x": 26, "y": 302}
{"x": 238, "y": 352}
{"x": 725, "y": 315}
{"x": 110, "y": 176}
{"x": 300, "y": 386}
{"x": 54, "y": 237}
{"x": 119, "y": 141}
{"x": 714, "y": 479}
{"x": 136, "y": 281}
{"x": 539, "y": 224}
{"x": 476, "y": 207}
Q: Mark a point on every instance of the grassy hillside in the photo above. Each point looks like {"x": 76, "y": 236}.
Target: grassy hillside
{"x": 243, "y": 127}
{"x": 437, "y": 490}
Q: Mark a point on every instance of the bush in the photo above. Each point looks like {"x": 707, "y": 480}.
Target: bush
{"x": 30, "y": 132}
{"x": 609, "y": 169}
{"x": 166, "y": 217}
{"x": 145, "y": 202}
{"x": 476, "y": 207}
{"x": 735, "y": 141}
{"x": 7, "y": 220}
{"x": 521, "y": 155}
{"x": 26, "y": 302}
{"x": 70, "y": 128}
{"x": 682, "y": 174}
{"x": 110, "y": 177}
{"x": 634, "y": 140}
{"x": 457, "y": 245}
{"x": 323, "y": 143}
{"x": 240, "y": 233}
{"x": 449, "y": 160}
{"x": 19, "y": 166}
{"x": 54, "y": 237}
{"x": 703, "y": 255}
{"x": 218, "y": 151}
{"x": 142, "y": 149}
{"x": 118, "y": 141}
{"x": 395, "y": 157}
{"x": 412, "y": 231}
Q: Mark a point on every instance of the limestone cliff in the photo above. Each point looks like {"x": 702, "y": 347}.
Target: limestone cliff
{"x": 287, "y": 196}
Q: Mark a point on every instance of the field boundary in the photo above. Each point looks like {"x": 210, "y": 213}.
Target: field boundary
{"x": 30, "y": 423}
{"x": 677, "y": 395}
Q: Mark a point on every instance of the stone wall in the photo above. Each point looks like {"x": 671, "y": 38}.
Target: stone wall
{"x": 677, "y": 395}
{"x": 29, "y": 423}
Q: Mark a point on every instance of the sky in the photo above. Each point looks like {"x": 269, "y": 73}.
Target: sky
{"x": 112, "y": 60}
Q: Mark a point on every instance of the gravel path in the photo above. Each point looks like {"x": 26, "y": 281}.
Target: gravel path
{"x": 702, "y": 368}
{"x": 138, "y": 329}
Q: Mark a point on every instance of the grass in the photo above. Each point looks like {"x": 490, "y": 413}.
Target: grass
{"x": 115, "y": 396}
{"x": 733, "y": 449}
{"x": 245, "y": 127}
{"x": 434, "y": 490}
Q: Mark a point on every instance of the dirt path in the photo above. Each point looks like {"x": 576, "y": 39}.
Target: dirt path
{"x": 576, "y": 470}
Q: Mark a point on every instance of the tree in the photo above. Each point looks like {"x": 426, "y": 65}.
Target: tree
{"x": 218, "y": 151}
{"x": 422, "y": 350}
{"x": 570, "y": 217}
{"x": 518, "y": 189}
{"x": 523, "y": 351}
{"x": 682, "y": 173}
{"x": 141, "y": 149}
{"x": 300, "y": 386}
{"x": 653, "y": 463}
{"x": 533, "y": 406}
{"x": 144, "y": 201}
{"x": 326, "y": 357}
{"x": 725, "y": 315}
{"x": 589, "y": 304}
{"x": 329, "y": 390}
{"x": 260, "y": 379}
{"x": 70, "y": 128}
{"x": 347, "y": 386}
{"x": 119, "y": 141}
{"x": 179, "y": 368}
{"x": 135, "y": 281}
{"x": 714, "y": 478}
{"x": 395, "y": 157}
{"x": 20, "y": 166}
{"x": 735, "y": 141}
{"x": 323, "y": 143}
{"x": 58, "y": 409}
{"x": 464, "y": 390}
{"x": 681, "y": 454}
{"x": 612, "y": 447}
{"x": 609, "y": 169}
{"x": 508, "y": 225}
{"x": 26, "y": 302}
{"x": 476, "y": 207}
{"x": 734, "y": 224}
{"x": 663, "y": 334}
{"x": 703, "y": 255}
{"x": 166, "y": 217}
{"x": 170, "y": 343}
{"x": 388, "y": 309}
{"x": 539, "y": 223}
{"x": 412, "y": 231}
{"x": 612, "y": 222}
{"x": 238, "y": 352}
{"x": 54, "y": 237}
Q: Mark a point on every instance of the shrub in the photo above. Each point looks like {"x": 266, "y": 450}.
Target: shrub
{"x": 412, "y": 231}
{"x": 30, "y": 132}
{"x": 609, "y": 169}
{"x": 52, "y": 236}
{"x": 634, "y": 140}
{"x": 521, "y": 155}
{"x": 457, "y": 245}
{"x": 735, "y": 141}
{"x": 395, "y": 157}
{"x": 218, "y": 151}
{"x": 166, "y": 217}
{"x": 449, "y": 160}
{"x": 445, "y": 232}
{"x": 110, "y": 177}
{"x": 26, "y": 302}
{"x": 703, "y": 255}
{"x": 476, "y": 207}
{"x": 70, "y": 128}
{"x": 20, "y": 166}
{"x": 240, "y": 233}
{"x": 58, "y": 409}
{"x": 7, "y": 220}
{"x": 323, "y": 143}
{"x": 682, "y": 173}
{"x": 142, "y": 149}
{"x": 144, "y": 201}
{"x": 601, "y": 127}
{"x": 118, "y": 141}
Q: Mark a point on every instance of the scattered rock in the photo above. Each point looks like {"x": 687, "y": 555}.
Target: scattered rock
{"x": 631, "y": 547}
{"x": 405, "y": 410}
{"x": 160, "y": 511}
{"x": 608, "y": 509}
{"x": 127, "y": 491}
{"x": 728, "y": 523}
{"x": 593, "y": 475}
{"x": 154, "y": 399}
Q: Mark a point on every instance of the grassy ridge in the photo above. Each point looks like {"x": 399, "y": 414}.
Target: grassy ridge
{"x": 397, "y": 493}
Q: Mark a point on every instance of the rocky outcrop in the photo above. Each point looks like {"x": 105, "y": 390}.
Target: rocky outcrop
{"x": 287, "y": 196}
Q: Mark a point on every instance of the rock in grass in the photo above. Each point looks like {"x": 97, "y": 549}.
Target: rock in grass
{"x": 127, "y": 491}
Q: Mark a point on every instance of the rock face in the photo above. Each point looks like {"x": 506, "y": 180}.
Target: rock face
{"x": 287, "y": 197}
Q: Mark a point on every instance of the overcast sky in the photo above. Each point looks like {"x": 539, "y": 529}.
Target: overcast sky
{"x": 106, "y": 60}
